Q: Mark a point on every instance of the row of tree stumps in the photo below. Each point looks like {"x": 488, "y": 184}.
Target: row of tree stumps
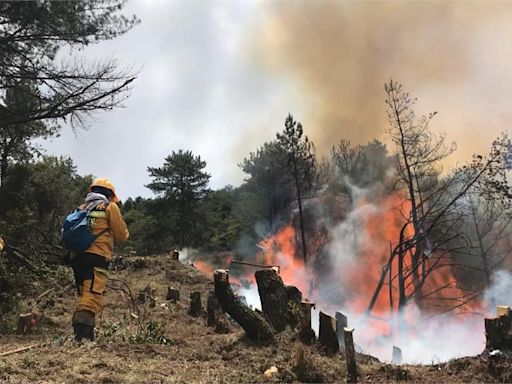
{"x": 282, "y": 306}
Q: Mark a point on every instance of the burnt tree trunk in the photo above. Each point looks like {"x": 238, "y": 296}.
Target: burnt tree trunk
{"x": 341, "y": 322}
{"x": 327, "y": 333}
{"x": 306, "y": 334}
{"x": 195, "y": 304}
{"x": 294, "y": 296}
{"x": 254, "y": 325}
{"x": 498, "y": 332}
{"x": 26, "y": 321}
{"x": 172, "y": 294}
{"x": 350, "y": 355}
{"x": 396, "y": 357}
{"x": 274, "y": 298}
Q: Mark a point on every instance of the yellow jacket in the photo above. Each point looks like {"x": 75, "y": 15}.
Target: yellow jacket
{"x": 105, "y": 217}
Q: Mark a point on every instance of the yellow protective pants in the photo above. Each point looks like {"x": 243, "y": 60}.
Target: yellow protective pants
{"x": 91, "y": 279}
{"x": 92, "y": 292}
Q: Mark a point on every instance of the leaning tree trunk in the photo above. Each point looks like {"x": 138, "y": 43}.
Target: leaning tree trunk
{"x": 254, "y": 325}
{"x": 274, "y": 298}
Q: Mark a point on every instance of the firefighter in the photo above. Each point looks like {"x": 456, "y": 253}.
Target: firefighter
{"x": 90, "y": 267}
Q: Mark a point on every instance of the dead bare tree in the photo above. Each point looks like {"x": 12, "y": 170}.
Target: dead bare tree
{"x": 431, "y": 202}
{"x": 488, "y": 224}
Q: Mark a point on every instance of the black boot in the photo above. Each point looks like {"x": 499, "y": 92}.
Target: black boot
{"x": 83, "y": 331}
{"x": 83, "y": 325}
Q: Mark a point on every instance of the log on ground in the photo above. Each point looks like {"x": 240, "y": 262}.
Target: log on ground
{"x": 254, "y": 325}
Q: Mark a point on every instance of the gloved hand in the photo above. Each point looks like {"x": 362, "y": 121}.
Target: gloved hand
{"x": 2, "y": 244}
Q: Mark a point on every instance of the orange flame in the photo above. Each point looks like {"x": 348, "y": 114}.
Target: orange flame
{"x": 279, "y": 250}
{"x": 378, "y": 225}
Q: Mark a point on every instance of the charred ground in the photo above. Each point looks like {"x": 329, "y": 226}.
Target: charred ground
{"x": 163, "y": 343}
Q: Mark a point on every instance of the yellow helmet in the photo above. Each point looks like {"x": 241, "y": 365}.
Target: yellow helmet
{"x": 105, "y": 183}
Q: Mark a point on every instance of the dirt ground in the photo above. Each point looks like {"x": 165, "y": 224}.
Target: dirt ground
{"x": 178, "y": 348}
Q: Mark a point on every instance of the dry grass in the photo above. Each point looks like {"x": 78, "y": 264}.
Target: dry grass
{"x": 195, "y": 353}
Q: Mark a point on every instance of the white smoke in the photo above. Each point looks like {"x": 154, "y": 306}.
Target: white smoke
{"x": 499, "y": 292}
{"x": 423, "y": 338}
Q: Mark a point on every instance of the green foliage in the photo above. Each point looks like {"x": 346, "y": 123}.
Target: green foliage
{"x": 300, "y": 156}
{"x": 180, "y": 183}
{"x": 222, "y": 227}
{"x": 16, "y": 140}
{"x": 143, "y": 225}
{"x": 181, "y": 178}
{"x": 152, "y": 334}
{"x": 34, "y": 200}
{"x": 266, "y": 195}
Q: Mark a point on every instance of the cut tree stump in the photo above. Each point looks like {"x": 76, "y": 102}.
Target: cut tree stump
{"x": 341, "y": 322}
{"x": 175, "y": 255}
{"x": 350, "y": 356}
{"x": 396, "y": 358}
{"x": 195, "y": 304}
{"x": 254, "y": 325}
{"x": 327, "y": 333}
{"x": 215, "y": 317}
{"x": 298, "y": 362}
{"x": 172, "y": 294}
{"x": 293, "y": 294}
{"x": 147, "y": 294}
{"x": 26, "y": 322}
{"x": 306, "y": 334}
{"x": 294, "y": 306}
{"x": 274, "y": 298}
{"x": 498, "y": 331}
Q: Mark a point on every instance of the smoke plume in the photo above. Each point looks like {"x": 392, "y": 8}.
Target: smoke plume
{"x": 451, "y": 55}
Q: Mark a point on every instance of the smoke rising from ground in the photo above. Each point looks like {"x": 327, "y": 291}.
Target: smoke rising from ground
{"x": 453, "y": 56}
{"x": 499, "y": 291}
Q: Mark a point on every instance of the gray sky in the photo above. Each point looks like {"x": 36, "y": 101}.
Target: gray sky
{"x": 219, "y": 78}
{"x": 197, "y": 89}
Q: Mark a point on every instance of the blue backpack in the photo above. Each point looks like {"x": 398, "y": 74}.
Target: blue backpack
{"x": 76, "y": 233}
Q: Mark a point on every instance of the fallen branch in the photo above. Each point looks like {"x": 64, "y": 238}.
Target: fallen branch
{"x": 44, "y": 294}
{"x": 254, "y": 264}
{"x": 22, "y": 349}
